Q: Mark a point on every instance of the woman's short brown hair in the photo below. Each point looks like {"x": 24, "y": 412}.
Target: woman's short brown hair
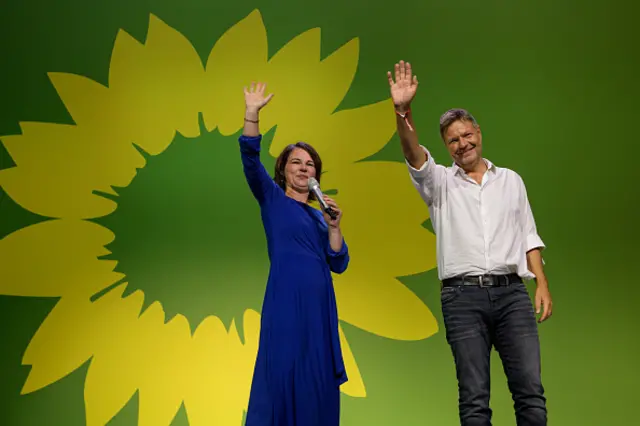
{"x": 283, "y": 158}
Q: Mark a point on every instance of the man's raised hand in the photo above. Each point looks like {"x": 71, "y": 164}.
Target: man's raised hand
{"x": 404, "y": 88}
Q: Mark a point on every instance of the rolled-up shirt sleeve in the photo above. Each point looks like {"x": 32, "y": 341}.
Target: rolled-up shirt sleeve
{"x": 530, "y": 231}
{"x": 428, "y": 178}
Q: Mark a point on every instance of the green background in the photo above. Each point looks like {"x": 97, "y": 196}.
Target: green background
{"x": 554, "y": 87}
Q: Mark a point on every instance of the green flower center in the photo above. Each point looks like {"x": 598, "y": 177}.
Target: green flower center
{"x": 188, "y": 231}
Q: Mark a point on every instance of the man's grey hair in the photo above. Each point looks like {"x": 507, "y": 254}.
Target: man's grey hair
{"x": 453, "y": 115}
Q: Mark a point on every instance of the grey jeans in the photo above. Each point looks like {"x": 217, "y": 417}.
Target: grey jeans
{"x": 479, "y": 318}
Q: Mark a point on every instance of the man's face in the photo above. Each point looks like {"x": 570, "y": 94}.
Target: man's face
{"x": 464, "y": 142}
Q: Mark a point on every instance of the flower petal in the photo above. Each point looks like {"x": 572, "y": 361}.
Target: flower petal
{"x": 355, "y": 385}
{"x": 335, "y": 75}
{"x": 60, "y": 166}
{"x": 222, "y": 371}
{"x": 378, "y": 196}
{"x": 56, "y": 258}
{"x": 341, "y": 138}
{"x": 51, "y": 361}
{"x": 162, "y": 375}
{"x": 156, "y": 89}
{"x": 296, "y": 69}
{"x": 85, "y": 99}
{"x": 245, "y": 356}
{"x": 106, "y": 392}
{"x": 382, "y": 305}
{"x": 224, "y": 85}
{"x": 203, "y": 398}
{"x": 113, "y": 375}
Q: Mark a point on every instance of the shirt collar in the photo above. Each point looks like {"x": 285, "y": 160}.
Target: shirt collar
{"x": 490, "y": 166}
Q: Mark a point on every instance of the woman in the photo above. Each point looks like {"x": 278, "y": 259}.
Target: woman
{"x": 299, "y": 367}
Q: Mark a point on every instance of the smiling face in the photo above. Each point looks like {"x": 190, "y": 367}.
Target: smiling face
{"x": 464, "y": 142}
{"x": 300, "y": 167}
{"x": 295, "y": 165}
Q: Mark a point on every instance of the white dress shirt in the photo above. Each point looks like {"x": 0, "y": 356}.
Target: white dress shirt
{"x": 480, "y": 229}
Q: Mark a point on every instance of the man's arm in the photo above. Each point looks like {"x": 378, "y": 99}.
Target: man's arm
{"x": 426, "y": 175}
{"x": 415, "y": 155}
{"x": 535, "y": 246}
{"x": 403, "y": 91}
{"x": 534, "y": 263}
{"x": 543, "y": 295}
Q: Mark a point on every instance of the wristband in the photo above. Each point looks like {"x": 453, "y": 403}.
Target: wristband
{"x": 405, "y": 117}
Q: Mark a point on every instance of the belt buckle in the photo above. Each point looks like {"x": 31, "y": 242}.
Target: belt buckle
{"x": 480, "y": 281}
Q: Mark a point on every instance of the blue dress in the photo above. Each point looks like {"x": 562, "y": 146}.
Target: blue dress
{"x": 299, "y": 367}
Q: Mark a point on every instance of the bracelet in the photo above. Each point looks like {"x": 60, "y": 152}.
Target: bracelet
{"x": 405, "y": 118}
{"x": 251, "y": 121}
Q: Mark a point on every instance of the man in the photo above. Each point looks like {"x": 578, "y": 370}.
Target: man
{"x": 487, "y": 243}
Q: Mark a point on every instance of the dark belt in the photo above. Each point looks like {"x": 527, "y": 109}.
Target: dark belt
{"x": 483, "y": 280}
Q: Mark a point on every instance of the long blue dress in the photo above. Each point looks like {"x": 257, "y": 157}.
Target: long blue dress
{"x": 299, "y": 367}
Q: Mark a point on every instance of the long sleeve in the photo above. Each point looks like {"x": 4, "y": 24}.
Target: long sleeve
{"x": 428, "y": 179}
{"x": 529, "y": 229}
{"x": 261, "y": 184}
{"x": 338, "y": 261}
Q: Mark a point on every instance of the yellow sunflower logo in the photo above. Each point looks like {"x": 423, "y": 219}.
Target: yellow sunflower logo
{"x": 147, "y": 218}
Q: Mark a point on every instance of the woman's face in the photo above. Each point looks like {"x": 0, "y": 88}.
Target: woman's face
{"x": 300, "y": 167}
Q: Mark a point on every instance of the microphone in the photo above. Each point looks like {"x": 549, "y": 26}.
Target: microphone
{"x": 314, "y": 187}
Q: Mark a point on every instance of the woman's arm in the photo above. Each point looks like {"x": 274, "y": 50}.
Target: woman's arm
{"x": 338, "y": 252}
{"x": 262, "y": 185}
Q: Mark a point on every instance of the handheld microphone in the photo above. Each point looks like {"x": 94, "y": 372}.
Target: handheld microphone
{"x": 314, "y": 187}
